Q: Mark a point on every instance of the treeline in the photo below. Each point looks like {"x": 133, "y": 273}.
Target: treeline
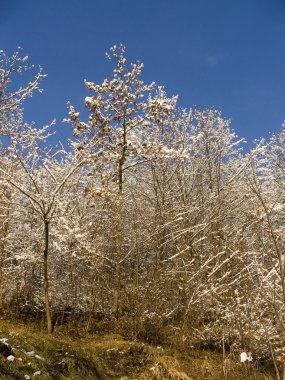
{"x": 151, "y": 220}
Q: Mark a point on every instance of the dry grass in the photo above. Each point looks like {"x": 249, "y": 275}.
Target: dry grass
{"x": 110, "y": 357}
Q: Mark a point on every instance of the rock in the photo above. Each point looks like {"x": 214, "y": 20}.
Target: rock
{"x": 5, "y": 350}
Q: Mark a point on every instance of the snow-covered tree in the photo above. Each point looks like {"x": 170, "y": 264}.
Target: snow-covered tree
{"x": 123, "y": 131}
{"x": 41, "y": 180}
{"x": 11, "y": 101}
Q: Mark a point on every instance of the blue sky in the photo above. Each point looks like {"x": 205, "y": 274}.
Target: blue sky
{"x": 227, "y": 54}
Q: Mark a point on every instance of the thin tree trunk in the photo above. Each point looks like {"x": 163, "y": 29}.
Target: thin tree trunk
{"x": 119, "y": 242}
{"x": 119, "y": 228}
{"x": 46, "y": 282}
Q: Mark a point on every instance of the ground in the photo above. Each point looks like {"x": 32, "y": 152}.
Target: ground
{"x": 36, "y": 355}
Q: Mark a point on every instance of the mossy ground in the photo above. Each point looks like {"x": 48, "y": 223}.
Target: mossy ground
{"x": 63, "y": 356}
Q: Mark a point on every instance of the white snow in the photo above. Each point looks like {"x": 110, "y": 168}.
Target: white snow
{"x": 245, "y": 356}
{"x": 32, "y": 353}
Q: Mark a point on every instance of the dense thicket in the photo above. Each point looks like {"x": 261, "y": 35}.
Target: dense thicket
{"x": 153, "y": 221}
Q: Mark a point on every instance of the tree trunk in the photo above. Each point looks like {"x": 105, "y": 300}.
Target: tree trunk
{"x": 117, "y": 274}
{"x": 119, "y": 231}
{"x": 46, "y": 283}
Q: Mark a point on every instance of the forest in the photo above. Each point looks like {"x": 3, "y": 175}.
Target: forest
{"x": 151, "y": 221}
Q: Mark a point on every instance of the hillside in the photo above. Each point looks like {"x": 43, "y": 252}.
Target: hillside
{"x": 41, "y": 356}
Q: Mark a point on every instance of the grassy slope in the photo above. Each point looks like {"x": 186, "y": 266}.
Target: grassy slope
{"x": 110, "y": 357}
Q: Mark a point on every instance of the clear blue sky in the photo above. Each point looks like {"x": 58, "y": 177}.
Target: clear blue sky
{"x": 229, "y": 54}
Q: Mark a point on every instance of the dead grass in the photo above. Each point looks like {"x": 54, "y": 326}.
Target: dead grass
{"x": 110, "y": 357}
